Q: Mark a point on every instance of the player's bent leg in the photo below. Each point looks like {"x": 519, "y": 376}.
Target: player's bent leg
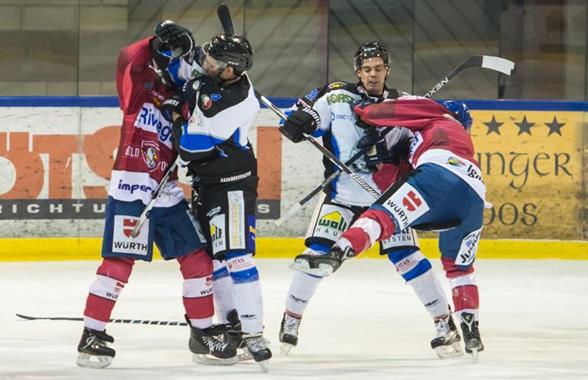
{"x": 373, "y": 225}
{"x": 416, "y": 270}
{"x": 111, "y": 277}
{"x": 205, "y": 342}
{"x": 249, "y": 303}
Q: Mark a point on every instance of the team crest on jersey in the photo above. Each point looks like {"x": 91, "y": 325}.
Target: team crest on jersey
{"x": 150, "y": 154}
{"x": 205, "y": 102}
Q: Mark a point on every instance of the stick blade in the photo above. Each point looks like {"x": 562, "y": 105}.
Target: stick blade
{"x": 499, "y": 64}
{"x": 24, "y": 317}
{"x": 224, "y": 15}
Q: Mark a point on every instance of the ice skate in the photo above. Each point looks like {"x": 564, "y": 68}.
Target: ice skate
{"x": 322, "y": 265}
{"x": 289, "y": 333}
{"x": 209, "y": 349}
{"x": 93, "y": 350}
{"x": 257, "y": 347}
{"x": 471, "y": 335}
{"x": 447, "y": 341}
{"x": 234, "y": 336}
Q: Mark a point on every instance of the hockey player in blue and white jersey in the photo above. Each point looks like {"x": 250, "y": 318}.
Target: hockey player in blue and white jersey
{"x": 212, "y": 118}
{"x": 328, "y": 113}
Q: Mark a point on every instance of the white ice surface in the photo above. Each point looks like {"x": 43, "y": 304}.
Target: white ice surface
{"x": 363, "y": 323}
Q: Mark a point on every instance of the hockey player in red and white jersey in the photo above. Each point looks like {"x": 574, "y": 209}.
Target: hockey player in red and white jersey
{"x": 144, "y": 155}
{"x": 445, "y": 192}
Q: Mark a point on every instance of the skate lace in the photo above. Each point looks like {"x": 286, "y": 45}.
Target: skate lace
{"x": 256, "y": 343}
{"x": 94, "y": 342}
{"x": 442, "y": 327}
{"x": 214, "y": 344}
{"x": 291, "y": 325}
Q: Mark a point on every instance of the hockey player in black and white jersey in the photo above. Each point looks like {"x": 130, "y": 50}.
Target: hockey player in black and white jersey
{"x": 328, "y": 113}
{"x": 212, "y": 119}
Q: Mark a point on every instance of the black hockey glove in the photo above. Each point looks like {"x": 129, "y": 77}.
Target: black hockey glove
{"x": 171, "y": 106}
{"x": 178, "y": 38}
{"x": 299, "y": 122}
{"x": 177, "y": 130}
{"x": 399, "y": 151}
{"x": 376, "y": 155}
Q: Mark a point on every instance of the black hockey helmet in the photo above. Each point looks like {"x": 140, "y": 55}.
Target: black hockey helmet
{"x": 232, "y": 49}
{"x": 370, "y": 50}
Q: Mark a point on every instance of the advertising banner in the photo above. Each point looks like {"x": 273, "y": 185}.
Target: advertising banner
{"x": 55, "y": 165}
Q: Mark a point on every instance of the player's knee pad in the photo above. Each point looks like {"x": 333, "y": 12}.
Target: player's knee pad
{"x": 242, "y": 267}
{"x": 116, "y": 268}
{"x": 195, "y": 264}
{"x": 410, "y": 263}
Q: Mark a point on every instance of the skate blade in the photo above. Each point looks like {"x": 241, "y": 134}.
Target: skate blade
{"x": 93, "y": 361}
{"x": 303, "y": 266}
{"x": 207, "y": 359}
{"x": 285, "y": 349}
{"x": 449, "y": 351}
{"x": 243, "y": 355}
{"x": 264, "y": 364}
{"x": 474, "y": 355}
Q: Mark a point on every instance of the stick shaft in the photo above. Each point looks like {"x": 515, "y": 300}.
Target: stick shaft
{"x": 115, "y": 320}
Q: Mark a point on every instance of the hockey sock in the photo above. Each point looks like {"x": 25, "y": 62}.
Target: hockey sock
{"x": 248, "y": 298}
{"x": 416, "y": 270}
{"x": 302, "y": 288}
{"x": 111, "y": 277}
{"x": 196, "y": 268}
{"x": 222, "y": 290}
{"x": 463, "y": 288}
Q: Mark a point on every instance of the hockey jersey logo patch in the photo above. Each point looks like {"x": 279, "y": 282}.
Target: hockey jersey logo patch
{"x": 151, "y": 155}
{"x": 122, "y": 242}
{"x": 406, "y": 205}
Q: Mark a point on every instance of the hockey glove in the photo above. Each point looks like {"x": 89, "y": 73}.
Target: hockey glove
{"x": 177, "y": 130}
{"x": 460, "y": 111}
{"x": 299, "y": 122}
{"x": 171, "y": 106}
{"x": 178, "y": 38}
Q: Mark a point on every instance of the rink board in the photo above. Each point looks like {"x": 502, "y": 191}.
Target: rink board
{"x": 56, "y": 154}
{"x": 49, "y": 249}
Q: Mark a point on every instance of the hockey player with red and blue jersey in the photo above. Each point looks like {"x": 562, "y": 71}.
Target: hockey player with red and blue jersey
{"x": 144, "y": 155}
{"x": 445, "y": 192}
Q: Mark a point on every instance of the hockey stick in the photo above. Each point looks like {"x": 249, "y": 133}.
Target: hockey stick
{"x": 224, "y": 15}
{"x": 489, "y": 62}
{"x": 327, "y": 153}
{"x": 484, "y": 61}
{"x": 298, "y": 206}
{"x": 145, "y": 214}
{"x": 117, "y": 320}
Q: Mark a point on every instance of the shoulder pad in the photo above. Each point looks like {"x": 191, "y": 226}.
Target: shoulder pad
{"x": 341, "y": 86}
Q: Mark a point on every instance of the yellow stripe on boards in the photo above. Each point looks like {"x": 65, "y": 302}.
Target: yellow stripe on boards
{"x": 55, "y": 249}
